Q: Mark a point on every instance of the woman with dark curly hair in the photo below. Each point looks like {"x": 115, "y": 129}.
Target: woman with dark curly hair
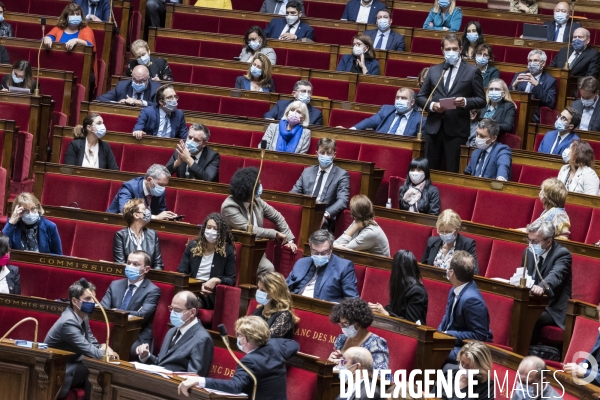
{"x": 354, "y": 317}
{"x": 210, "y": 258}
{"x": 275, "y": 305}
{"x": 236, "y": 210}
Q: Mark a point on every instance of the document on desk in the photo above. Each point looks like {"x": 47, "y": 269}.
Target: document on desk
{"x": 225, "y": 393}
{"x": 154, "y": 369}
{"x": 448, "y": 103}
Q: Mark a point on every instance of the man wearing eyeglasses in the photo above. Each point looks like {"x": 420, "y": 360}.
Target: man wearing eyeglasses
{"x": 558, "y": 140}
{"x": 187, "y": 346}
{"x": 163, "y": 119}
{"x": 140, "y": 90}
{"x": 554, "y": 264}
{"x": 302, "y": 92}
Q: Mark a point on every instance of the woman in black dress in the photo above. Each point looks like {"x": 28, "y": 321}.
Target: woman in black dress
{"x": 275, "y": 305}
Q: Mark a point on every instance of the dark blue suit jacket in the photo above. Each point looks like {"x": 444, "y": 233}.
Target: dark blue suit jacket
{"x": 149, "y": 122}
{"x": 316, "y": 116}
{"x": 395, "y": 40}
{"x": 335, "y": 283}
{"x": 470, "y": 319}
{"x": 382, "y": 121}
{"x": 353, "y": 6}
{"x": 347, "y": 61}
{"x": 545, "y": 91}
{"x": 48, "y": 237}
{"x": 102, "y": 10}
{"x": 498, "y": 162}
{"x": 568, "y": 28}
{"x": 124, "y": 89}
{"x": 550, "y": 138}
{"x": 134, "y": 189}
{"x": 276, "y": 26}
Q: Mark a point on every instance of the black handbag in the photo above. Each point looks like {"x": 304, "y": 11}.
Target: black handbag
{"x": 545, "y": 352}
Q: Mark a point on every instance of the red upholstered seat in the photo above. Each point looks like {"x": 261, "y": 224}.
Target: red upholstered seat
{"x": 405, "y": 236}
{"x": 183, "y": 72}
{"x": 63, "y": 190}
{"x": 179, "y": 46}
{"x": 552, "y": 335}
{"x": 586, "y": 278}
{"x": 404, "y": 68}
{"x": 66, "y": 230}
{"x": 275, "y": 175}
{"x": 197, "y": 205}
{"x": 285, "y": 82}
{"x": 119, "y": 123}
{"x": 335, "y": 90}
{"x": 301, "y": 384}
{"x": 500, "y": 310}
{"x": 34, "y": 279}
{"x": 63, "y": 148}
{"x": 256, "y": 139}
{"x": 594, "y": 230}
{"x": 346, "y": 150}
{"x": 438, "y": 298}
{"x": 208, "y": 75}
{"x": 223, "y": 365}
{"x": 315, "y": 333}
{"x": 235, "y": 137}
{"x": 511, "y": 140}
{"x": 515, "y": 172}
{"x": 504, "y": 388}
{"x": 359, "y": 271}
{"x": 520, "y": 215}
{"x": 102, "y": 237}
{"x": 9, "y": 316}
{"x": 370, "y": 93}
{"x": 137, "y": 158}
{"x": 577, "y": 215}
{"x": 303, "y": 59}
{"x": 584, "y": 337}
{"x": 283, "y": 259}
{"x": 458, "y": 198}
{"x": 172, "y": 247}
{"x": 399, "y": 344}
{"x": 548, "y": 115}
{"x": 237, "y": 26}
{"x": 222, "y": 51}
{"x": 483, "y": 250}
{"x": 395, "y": 184}
{"x": 196, "y": 22}
{"x": 505, "y": 258}
{"x": 292, "y": 214}
{"x": 227, "y": 305}
{"x": 319, "y": 9}
{"x": 161, "y": 316}
{"x": 376, "y": 286}
{"x": 532, "y": 175}
{"x": 249, "y": 107}
{"x": 22, "y": 159}
{"x": 16, "y": 112}
{"x": 199, "y": 101}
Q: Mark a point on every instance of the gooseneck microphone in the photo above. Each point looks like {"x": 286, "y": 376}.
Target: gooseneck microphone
{"x": 250, "y": 227}
{"x": 83, "y": 282}
{"x": 35, "y": 333}
{"x": 223, "y": 333}
{"x": 37, "y": 84}
{"x": 572, "y": 6}
{"x": 113, "y": 20}
{"x": 444, "y": 69}
{"x": 545, "y": 286}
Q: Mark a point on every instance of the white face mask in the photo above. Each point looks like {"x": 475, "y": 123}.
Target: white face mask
{"x": 416, "y": 177}
{"x": 357, "y": 50}
{"x": 566, "y": 155}
{"x": 350, "y": 331}
{"x": 210, "y": 235}
{"x": 481, "y": 143}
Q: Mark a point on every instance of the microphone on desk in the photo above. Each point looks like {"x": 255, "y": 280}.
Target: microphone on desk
{"x": 34, "y": 345}
{"x": 86, "y": 285}
{"x": 113, "y": 20}
{"x": 263, "y": 146}
{"x": 444, "y": 69}
{"x": 37, "y": 84}
{"x": 545, "y": 286}
{"x": 223, "y": 333}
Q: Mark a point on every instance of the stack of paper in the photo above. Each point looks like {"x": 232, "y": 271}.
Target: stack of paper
{"x": 515, "y": 280}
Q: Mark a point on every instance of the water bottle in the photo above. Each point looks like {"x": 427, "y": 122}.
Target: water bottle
{"x": 388, "y": 204}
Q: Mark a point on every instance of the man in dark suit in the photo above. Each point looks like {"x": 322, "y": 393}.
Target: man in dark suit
{"x": 466, "y": 314}
{"x": 163, "y": 119}
{"x": 554, "y": 264}
{"x": 140, "y": 90}
{"x": 561, "y": 30}
{"x": 193, "y": 159}
{"x": 98, "y": 11}
{"x": 556, "y": 141}
{"x": 265, "y": 358}
{"x": 541, "y": 85}
{"x": 323, "y": 275}
{"x": 586, "y": 105}
{"x": 384, "y": 38}
{"x": 156, "y": 11}
{"x": 327, "y": 182}
{"x": 399, "y": 119}
{"x": 358, "y": 359}
{"x": 302, "y": 92}
{"x": 151, "y": 188}
{"x": 362, "y": 11}
{"x": 583, "y": 60}
{"x": 492, "y": 159}
{"x": 291, "y": 27}
{"x": 276, "y": 6}
{"x": 72, "y": 333}
{"x": 187, "y": 347}
{"x": 448, "y": 129}
{"x": 135, "y": 294}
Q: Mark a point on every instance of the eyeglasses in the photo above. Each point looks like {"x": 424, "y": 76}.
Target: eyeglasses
{"x": 533, "y": 241}
{"x": 27, "y": 212}
{"x": 139, "y": 82}
{"x": 177, "y": 310}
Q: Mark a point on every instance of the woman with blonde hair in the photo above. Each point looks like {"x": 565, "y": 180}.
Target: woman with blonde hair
{"x": 500, "y": 106}
{"x": 275, "y": 305}
{"x": 87, "y": 149}
{"x": 211, "y": 258}
{"x": 440, "y": 248}
{"x": 553, "y": 195}
{"x": 290, "y": 135}
{"x": 258, "y": 78}
{"x": 27, "y": 229}
{"x": 444, "y": 16}
{"x": 364, "y": 234}
{"x": 157, "y": 67}
{"x": 362, "y": 60}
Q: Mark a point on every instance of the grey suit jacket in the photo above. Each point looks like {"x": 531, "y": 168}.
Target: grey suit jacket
{"x": 335, "y": 192}
{"x": 268, "y": 6}
{"x": 237, "y": 218}
{"x": 69, "y": 335}
{"x": 143, "y": 303}
{"x": 272, "y": 134}
{"x": 193, "y": 352}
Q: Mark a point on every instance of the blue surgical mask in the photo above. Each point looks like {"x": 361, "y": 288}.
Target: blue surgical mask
{"x": 16, "y": 79}
{"x": 177, "y": 319}
{"x": 192, "y": 146}
{"x": 304, "y": 97}
{"x": 143, "y": 60}
{"x": 529, "y": 392}
{"x": 255, "y": 71}
{"x": 171, "y": 105}
{"x": 383, "y": 24}
{"x": 325, "y": 160}
{"x": 349, "y": 331}
{"x": 472, "y": 36}
{"x": 74, "y": 19}
{"x": 588, "y": 103}
{"x": 481, "y": 60}
{"x": 402, "y": 106}
{"x": 443, "y": 3}
{"x": 132, "y": 272}
{"x": 320, "y": 260}
{"x": 138, "y": 87}
{"x": 100, "y": 131}
{"x": 31, "y": 218}
{"x": 254, "y": 44}
{"x": 261, "y": 297}
{"x": 239, "y": 345}
{"x": 495, "y": 95}
{"x": 1, "y": 17}
{"x": 258, "y": 191}
{"x": 87, "y": 307}
{"x": 578, "y": 44}
{"x": 560, "y": 125}
{"x": 537, "y": 249}
{"x": 447, "y": 237}
{"x": 157, "y": 190}
{"x": 451, "y": 57}
{"x": 561, "y": 17}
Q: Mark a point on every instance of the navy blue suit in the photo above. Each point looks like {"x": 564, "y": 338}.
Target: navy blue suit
{"x": 48, "y": 237}
{"x": 550, "y": 138}
{"x": 134, "y": 189}
{"x": 395, "y": 40}
{"x": 124, "y": 89}
{"x": 353, "y": 6}
{"x": 347, "y": 61}
{"x": 277, "y": 25}
{"x": 316, "y": 116}
{"x": 335, "y": 281}
{"x": 568, "y": 29}
{"x": 497, "y": 163}
{"x": 545, "y": 91}
{"x": 470, "y": 318}
{"x": 149, "y": 122}
{"x": 101, "y": 10}
{"x": 382, "y": 121}
{"x": 596, "y": 354}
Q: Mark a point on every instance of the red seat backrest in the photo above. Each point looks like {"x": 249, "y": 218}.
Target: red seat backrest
{"x": 345, "y": 150}
{"x": 359, "y": 271}
{"x": 402, "y": 349}
{"x": 577, "y": 215}
{"x": 500, "y": 311}
{"x": 505, "y": 258}
{"x": 102, "y": 237}
{"x": 315, "y": 333}
{"x": 335, "y": 90}
{"x": 532, "y": 175}
{"x": 172, "y": 247}
{"x": 458, "y": 198}
{"x": 355, "y": 179}
{"x": 137, "y": 158}
{"x": 586, "y": 279}
{"x": 19, "y": 113}
{"x": 301, "y": 384}
{"x": 63, "y": 190}
{"x": 161, "y": 316}
{"x": 376, "y": 286}
{"x": 183, "y": 72}
{"x": 520, "y": 215}
{"x": 63, "y": 148}
{"x": 208, "y": 75}
{"x": 228, "y": 166}
{"x": 199, "y": 101}
{"x": 405, "y": 236}
{"x": 438, "y": 298}
{"x": 303, "y": 59}
{"x": 237, "y": 26}
{"x": 235, "y": 137}
{"x": 9, "y": 316}
{"x": 405, "y": 68}
{"x": 196, "y": 22}
{"x": 332, "y": 35}
{"x": 248, "y": 107}
{"x": 395, "y": 161}
{"x": 179, "y": 46}
{"x": 584, "y": 337}
{"x": 197, "y": 205}
{"x": 66, "y": 230}
{"x": 227, "y": 305}
{"x": 285, "y": 82}
{"x": 370, "y": 93}
{"x": 483, "y": 250}
{"x": 223, "y": 365}
{"x": 34, "y": 279}
{"x": 292, "y": 214}
{"x": 275, "y": 175}
{"x": 594, "y": 228}
{"x": 119, "y": 123}
{"x": 222, "y": 51}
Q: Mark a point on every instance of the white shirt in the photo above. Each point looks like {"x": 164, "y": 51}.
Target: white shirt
{"x": 205, "y": 267}
{"x": 586, "y": 116}
{"x": 187, "y": 167}
{"x": 529, "y": 86}
{"x": 457, "y": 291}
{"x": 183, "y": 330}
{"x": 561, "y": 32}
{"x": 325, "y": 176}
{"x": 363, "y": 13}
{"x": 309, "y": 289}
{"x": 136, "y": 284}
{"x": 134, "y": 239}
{"x": 290, "y": 29}
{"x": 561, "y": 137}
{"x": 384, "y": 39}
{"x": 454, "y": 71}
{"x": 90, "y": 157}
{"x": 164, "y": 119}
{"x": 572, "y": 57}
{"x": 403, "y": 121}
{"x": 3, "y": 283}
{"x": 140, "y": 96}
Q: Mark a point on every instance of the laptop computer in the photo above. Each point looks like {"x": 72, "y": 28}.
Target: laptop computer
{"x": 535, "y": 32}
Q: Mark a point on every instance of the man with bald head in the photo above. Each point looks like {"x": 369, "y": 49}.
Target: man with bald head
{"x": 358, "y": 359}
{"x": 187, "y": 347}
{"x": 533, "y": 376}
{"x": 560, "y": 29}
{"x": 140, "y": 90}
{"x": 583, "y": 60}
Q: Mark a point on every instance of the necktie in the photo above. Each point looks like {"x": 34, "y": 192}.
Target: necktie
{"x": 379, "y": 42}
{"x": 165, "y": 130}
{"x": 555, "y": 145}
{"x": 317, "y": 188}
{"x": 448, "y": 79}
{"x": 127, "y": 298}
{"x": 278, "y": 7}
{"x": 175, "y": 339}
{"x": 480, "y": 163}
{"x": 556, "y": 33}
{"x": 396, "y": 124}
{"x": 451, "y": 310}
